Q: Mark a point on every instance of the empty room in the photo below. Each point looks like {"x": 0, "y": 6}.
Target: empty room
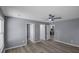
{"x": 39, "y": 29}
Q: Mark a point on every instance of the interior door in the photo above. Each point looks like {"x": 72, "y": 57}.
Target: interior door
{"x": 42, "y": 31}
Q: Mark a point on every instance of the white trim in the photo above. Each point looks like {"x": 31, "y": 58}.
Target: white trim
{"x": 67, "y": 43}
{"x": 15, "y": 47}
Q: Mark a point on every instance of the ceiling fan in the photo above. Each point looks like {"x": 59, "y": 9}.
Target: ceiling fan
{"x": 53, "y": 17}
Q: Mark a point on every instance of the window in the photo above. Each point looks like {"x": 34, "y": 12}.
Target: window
{"x": 0, "y": 26}
{"x": 1, "y": 35}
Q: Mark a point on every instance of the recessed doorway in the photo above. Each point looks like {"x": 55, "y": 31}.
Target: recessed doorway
{"x": 52, "y": 32}
{"x": 28, "y": 33}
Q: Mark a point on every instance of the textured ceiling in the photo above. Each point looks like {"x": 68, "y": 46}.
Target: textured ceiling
{"x": 41, "y": 13}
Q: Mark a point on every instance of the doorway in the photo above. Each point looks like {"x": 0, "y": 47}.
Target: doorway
{"x": 52, "y": 32}
{"x": 28, "y": 33}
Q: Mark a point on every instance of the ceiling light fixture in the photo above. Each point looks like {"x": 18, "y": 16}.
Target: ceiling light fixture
{"x": 52, "y": 18}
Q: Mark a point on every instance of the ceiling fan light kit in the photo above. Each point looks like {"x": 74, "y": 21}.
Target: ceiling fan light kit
{"x": 52, "y": 17}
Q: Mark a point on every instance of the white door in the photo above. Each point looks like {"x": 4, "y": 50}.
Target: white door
{"x": 42, "y": 31}
{"x": 47, "y": 30}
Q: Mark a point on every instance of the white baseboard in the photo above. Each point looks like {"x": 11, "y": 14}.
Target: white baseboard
{"x": 14, "y": 47}
{"x": 67, "y": 43}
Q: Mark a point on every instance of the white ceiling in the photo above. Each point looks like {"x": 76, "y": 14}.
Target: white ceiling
{"x": 41, "y": 13}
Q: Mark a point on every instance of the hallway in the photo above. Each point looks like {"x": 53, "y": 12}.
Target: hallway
{"x": 48, "y": 46}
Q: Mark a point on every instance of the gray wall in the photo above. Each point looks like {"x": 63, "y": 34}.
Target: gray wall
{"x": 67, "y": 31}
{"x": 16, "y": 32}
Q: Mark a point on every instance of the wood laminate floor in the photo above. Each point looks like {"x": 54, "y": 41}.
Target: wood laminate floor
{"x": 48, "y": 46}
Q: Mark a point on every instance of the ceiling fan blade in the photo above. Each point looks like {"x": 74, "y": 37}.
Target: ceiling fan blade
{"x": 58, "y": 18}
